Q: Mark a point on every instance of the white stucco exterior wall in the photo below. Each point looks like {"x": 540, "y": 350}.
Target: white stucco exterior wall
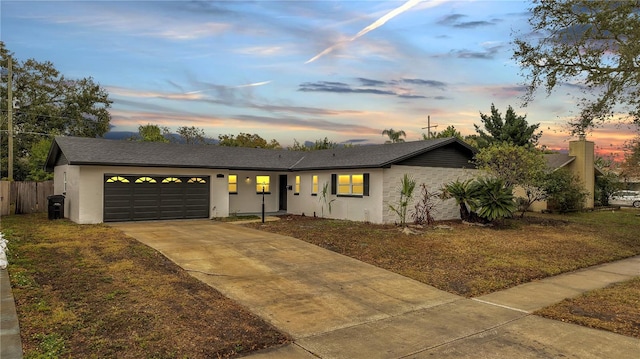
{"x": 434, "y": 178}
{"x": 85, "y": 188}
{"x": 66, "y": 181}
{"x": 356, "y": 208}
{"x": 248, "y": 199}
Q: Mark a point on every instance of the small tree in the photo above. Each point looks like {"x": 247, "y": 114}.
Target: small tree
{"x": 424, "y": 209}
{"x": 152, "y": 133}
{"x": 407, "y": 186}
{"x": 192, "y": 135}
{"x": 564, "y": 191}
{"x": 516, "y": 166}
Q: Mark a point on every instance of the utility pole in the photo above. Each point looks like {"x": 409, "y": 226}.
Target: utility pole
{"x": 10, "y": 120}
{"x": 429, "y": 126}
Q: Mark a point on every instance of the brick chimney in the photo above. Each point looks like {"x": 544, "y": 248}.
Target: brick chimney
{"x": 583, "y": 166}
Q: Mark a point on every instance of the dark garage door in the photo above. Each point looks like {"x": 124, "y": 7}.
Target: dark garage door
{"x": 152, "y": 197}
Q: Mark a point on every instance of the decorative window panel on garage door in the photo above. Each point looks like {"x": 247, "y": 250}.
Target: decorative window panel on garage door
{"x": 153, "y": 197}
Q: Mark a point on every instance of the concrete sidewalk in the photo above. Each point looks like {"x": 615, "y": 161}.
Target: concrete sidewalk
{"x": 10, "y": 343}
{"x": 338, "y": 307}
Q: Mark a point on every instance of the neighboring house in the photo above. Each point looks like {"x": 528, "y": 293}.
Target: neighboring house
{"x": 580, "y": 162}
{"x": 630, "y": 183}
{"x": 108, "y": 180}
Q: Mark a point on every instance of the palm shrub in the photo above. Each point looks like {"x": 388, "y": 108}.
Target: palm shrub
{"x": 481, "y": 200}
{"x": 493, "y": 199}
{"x": 464, "y": 194}
{"x": 407, "y": 186}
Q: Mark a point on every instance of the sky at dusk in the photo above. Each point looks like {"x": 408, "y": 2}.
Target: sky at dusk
{"x": 303, "y": 70}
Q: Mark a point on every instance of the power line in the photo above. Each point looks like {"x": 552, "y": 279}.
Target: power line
{"x": 49, "y": 116}
{"x": 29, "y": 133}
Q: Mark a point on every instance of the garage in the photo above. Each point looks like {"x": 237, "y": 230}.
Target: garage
{"x": 154, "y": 197}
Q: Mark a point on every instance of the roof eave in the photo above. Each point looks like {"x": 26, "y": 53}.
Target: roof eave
{"x": 148, "y": 165}
{"x": 52, "y": 157}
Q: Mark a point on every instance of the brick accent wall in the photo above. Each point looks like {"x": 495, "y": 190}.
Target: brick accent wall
{"x": 434, "y": 178}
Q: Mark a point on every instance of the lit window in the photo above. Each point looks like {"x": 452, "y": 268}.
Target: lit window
{"x": 297, "y": 190}
{"x": 171, "y": 180}
{"x": 262, "y": 183}
{"x": 351, "y": 184}
{"x": 233, "y": 183}
{"x": 314, "y": 184}
{"x": 145, "y": 180}
{"x": 113, "y": 179}
{"x": 196, "y": 180}
{"x": 357, "y": 184}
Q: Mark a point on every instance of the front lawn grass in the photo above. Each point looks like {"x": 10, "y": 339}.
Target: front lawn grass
{"x": 615, "y": 308}
{"x": 89, "y": 291}
{"x": 471, "y": 260}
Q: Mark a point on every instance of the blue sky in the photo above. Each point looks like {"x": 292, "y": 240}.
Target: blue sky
{"x": 289, "y": 70}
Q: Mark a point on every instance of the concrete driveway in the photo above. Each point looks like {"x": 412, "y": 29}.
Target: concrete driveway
{"x": 338, "y": 307}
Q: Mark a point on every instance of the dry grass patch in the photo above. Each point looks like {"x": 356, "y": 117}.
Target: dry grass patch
{"x": 615, "y": 308}
{"x": 89, "y": 291}
{"x": 469, "y": 260}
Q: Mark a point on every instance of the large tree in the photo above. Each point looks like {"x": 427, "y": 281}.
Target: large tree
{"x": 592, "y": 44}
{"x": 512, "y": 129}
{"x": 247, "y": 140}
{"x": 45, "y": 104}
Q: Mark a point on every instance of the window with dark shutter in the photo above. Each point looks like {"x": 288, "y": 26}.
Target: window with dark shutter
{"x": 366, "y": 185}
{"x": 334, "y": 183}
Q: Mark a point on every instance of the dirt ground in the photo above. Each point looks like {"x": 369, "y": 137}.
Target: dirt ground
{"x": 88, "y": 291}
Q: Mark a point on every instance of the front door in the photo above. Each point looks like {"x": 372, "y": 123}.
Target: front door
{"x": 283, "y": 192}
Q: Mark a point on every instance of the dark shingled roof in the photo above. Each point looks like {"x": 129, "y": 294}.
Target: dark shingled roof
{"x": 372, "y": 156}
{"x": 95, "y": 151}
{"x": 558, "y": 160}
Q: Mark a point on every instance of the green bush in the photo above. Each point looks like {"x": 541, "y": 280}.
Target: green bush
{"x": 565, "y": 194}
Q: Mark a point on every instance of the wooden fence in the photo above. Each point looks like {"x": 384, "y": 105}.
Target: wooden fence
{"x": 26, "y": 197}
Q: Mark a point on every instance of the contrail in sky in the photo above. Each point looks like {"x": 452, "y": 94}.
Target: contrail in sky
{"x": 376, "y": 24}
{"x": 235, "y": 87}
{"x": 253, "y": 84}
